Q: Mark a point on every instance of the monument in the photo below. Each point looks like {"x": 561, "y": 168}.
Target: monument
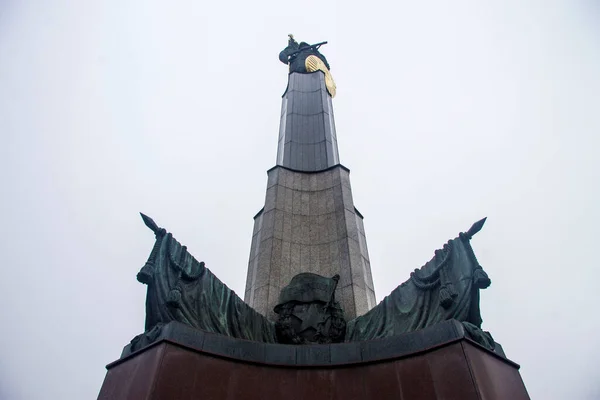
{"x": 309, "y": 326}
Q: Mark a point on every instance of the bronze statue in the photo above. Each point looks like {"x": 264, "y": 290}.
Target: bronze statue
{"x": 308, "y": 311}
{"x": 182, "y": 289}
{"x": 295, "y": 54}
{"x": 305, "y": 58}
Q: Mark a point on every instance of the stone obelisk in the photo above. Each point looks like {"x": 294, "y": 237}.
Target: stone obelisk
{"x": 309, "y": 222}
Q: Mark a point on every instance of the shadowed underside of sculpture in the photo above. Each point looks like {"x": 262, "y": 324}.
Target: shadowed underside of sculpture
{"x": 182, "y": 289}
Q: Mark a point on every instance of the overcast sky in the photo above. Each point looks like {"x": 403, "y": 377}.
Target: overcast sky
{"x": 446, "y": 112}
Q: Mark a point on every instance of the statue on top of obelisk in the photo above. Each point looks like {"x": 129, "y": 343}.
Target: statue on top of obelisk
{"x": 306, "y": 58}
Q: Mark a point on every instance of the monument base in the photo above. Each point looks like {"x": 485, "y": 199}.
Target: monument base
{"x": 435, "y": 363}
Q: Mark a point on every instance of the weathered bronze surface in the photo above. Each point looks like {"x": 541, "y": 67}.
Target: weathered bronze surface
{"x": 308, "y": 312}
{"x": 305, "y": 58}
{"x": 182, "y": 289}
{"x": 447, "y": 287}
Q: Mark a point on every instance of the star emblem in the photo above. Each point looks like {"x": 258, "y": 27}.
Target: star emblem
{"x": 311, "y": 315}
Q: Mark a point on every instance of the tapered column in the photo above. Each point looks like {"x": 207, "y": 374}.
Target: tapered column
{"x": 309, "y": 224}
{"x": 307, "y": 138}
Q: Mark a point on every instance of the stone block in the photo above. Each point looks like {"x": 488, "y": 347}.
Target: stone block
{"x": 313, "y": 229}
{"x": 362, "y": 241}
{"x": 359, "y": 220}
{"x": 347, "y": 302}
{"x": 371, "y": 299}
{"x": 345, "y": 178}
{"x": 303, "y": 237}
{"x": 360, "y": 300}
{"x": 326, "y": 235}
{"x": 305, "y": 178}
{"x": 276, "y": 262}
{"x": 329, "y": 178}
{"x": 344, "y": 260}
{"x": 351, "y": 225}
{"x": 313, "y": 182}
{"x": 273, "y": 177}
{"x": 267, "y": 224}
{"x": 261, "y": 299}
{"x": 295, "y": 259}
{"x": 304, "y": 203}
{"x": 340, "y": 217}
{"x": 338, "y": 198}
{"x": 369, "y": 281}
{"x": 289, "y": 200}
{"x": 315, "y": 265}
{"x": 336, "y": 179}
{"x": 254, "y": 246}
{"x": 334, "y": 257}
{"x": 278, "y": 224}
{"x": 257, "y": 224}
{"x": 322, "y": 201}
{"x": 347, "y": 198}
{"x": 305, "y": 258}
{"x": 287, "y": 226}
{"x": 329, "y": 200}
{"x": 312, "y": 202}
{"x": 296, "y": 229}
{"x": 270, "y": 198}
{"x": 282, "y": 176}
{"x": 297, "y": 181}
{"x": 297, "y": 202}
{"x": 289, "y": 179}
{"x": 264, "y": 263}
{"x": 285, "y": 276}
{"x": 320, "y": 222}
{"x": 332, "y": 230}
{"x": 357, "y": 266}
{"x": 324, "y": 260}
{"x": 320, "y": 180}
{"x": 274, "y": 292}
{"x": 280, "y": 197}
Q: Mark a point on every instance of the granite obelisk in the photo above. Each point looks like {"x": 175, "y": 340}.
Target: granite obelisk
{"x": 309, "y": 222}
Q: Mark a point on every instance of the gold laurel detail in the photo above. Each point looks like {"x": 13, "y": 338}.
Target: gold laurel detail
{"x": 314, "y": 63}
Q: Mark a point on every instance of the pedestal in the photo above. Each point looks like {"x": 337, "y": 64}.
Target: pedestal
{"x": 439, "y": 362}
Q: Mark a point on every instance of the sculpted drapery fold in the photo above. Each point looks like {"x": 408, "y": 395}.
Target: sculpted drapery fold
{"x": 446, "y": 287}
{"x": 182, "y": 289}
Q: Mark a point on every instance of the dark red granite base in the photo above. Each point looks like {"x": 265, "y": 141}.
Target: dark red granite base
{"x": 455, "y": 370}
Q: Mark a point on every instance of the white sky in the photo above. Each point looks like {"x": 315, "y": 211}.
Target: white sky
{"x": 446, "y": 112}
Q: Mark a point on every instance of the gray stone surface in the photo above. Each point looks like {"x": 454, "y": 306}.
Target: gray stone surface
{"x": 307, "y": 139}
{"x": 309, "y": 224}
